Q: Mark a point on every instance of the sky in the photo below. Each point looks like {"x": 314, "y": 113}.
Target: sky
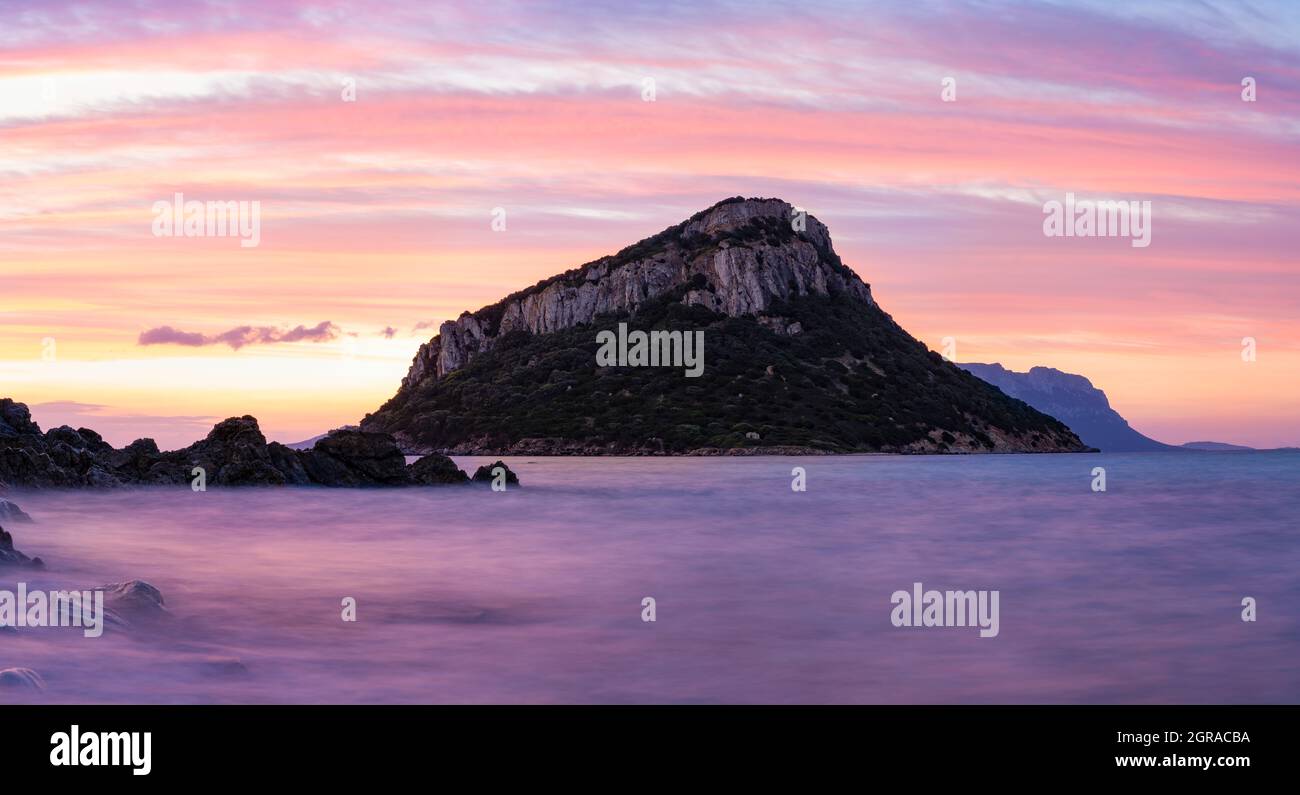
{"x": 382, "y": 140}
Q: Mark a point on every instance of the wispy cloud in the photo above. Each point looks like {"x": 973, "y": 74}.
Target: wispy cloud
{"x": 240, "y": 336}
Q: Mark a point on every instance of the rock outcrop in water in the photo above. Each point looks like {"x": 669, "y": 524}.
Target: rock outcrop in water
{"x": 436, "y": 469}
{"x": 797, "y": 355}
{"x": 12, "y": 557}
{"x": 21, "y": 679}
{"x": 12, "y": 513}
{"x": 235, "y": 453}
{"x": 486, "y": 473}
{"x": 132, "y": 602}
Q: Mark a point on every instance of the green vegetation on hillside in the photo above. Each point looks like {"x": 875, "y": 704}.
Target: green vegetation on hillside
{"x": 853, "y": 380}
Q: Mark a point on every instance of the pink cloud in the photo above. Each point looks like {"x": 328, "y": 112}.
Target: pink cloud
{"x": 240, "y": 336}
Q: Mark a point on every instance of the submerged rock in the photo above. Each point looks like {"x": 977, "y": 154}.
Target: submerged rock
{"x": 484, "y": 473}
{"x": 10, "y": 512}
{"x": 21, "y": 679}
{"x": 224, "y": 668}
{"x": 134, "y": 600}
{"x": 134, "y": 603}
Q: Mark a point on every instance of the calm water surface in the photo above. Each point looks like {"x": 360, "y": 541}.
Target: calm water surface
{"x": 763, "y": 594}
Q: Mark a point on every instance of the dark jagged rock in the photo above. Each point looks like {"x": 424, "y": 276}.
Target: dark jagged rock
{"x": 290, "y": 464}
{"x": 136, "y": 461}
{"x": 435, "y": 469}
{"x": 12, "y": 557}
{"x": 308, "y": 444}
{"x": 16, "y": 419}
{"x": 356, "y": 458}
{"x": 234, "y": 453}
{"x": 25, "y": 460}
{"x": 484, "y": 473}
{"x": 797, "y": 355}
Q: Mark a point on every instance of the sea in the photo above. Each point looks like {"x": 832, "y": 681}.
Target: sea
{"x": 762, "y": 591}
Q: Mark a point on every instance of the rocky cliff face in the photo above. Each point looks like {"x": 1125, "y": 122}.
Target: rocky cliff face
{"x": 1072, "y": 399}
{"x": 798, "y": 358}
{"x": 745, "y": 254}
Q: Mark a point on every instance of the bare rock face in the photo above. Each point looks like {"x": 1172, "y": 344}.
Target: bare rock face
{"x": 769, "y": 261}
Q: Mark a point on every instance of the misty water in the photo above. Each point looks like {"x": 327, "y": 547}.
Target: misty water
{"x": 763, "y": 594}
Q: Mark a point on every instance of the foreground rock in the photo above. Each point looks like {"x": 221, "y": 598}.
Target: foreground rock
{"x": 127, "y": 605}
{"x": 235, "y": 453}
{"x": 133, "y": 602}
{"x": 433, "y": 469}
{"x": 12, "y": 557}
{"x": 21, "y": 679}
{"x": 12, "y": 513}
{"x": 486, "y": 473}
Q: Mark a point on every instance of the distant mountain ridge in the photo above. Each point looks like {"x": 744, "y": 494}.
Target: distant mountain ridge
{"x": 307, "y": 444}
{"x": 798, "y": 358}
{"x": 1073, "y": 400}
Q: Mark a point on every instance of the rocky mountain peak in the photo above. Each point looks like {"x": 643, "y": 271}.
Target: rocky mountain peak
{"x": 737, "y": 257}
{"x": 732, "y": 215}
{"x": 799, "y": 358}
